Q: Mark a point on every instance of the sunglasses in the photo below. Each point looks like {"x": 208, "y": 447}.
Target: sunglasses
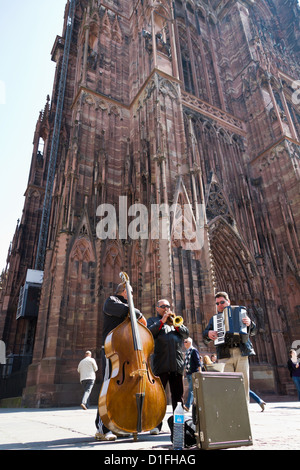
{"x": 164, "y": 306}
{"x": 222, "y": 302}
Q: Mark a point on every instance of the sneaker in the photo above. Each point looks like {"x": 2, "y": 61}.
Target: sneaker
{"x": 83, "y": 406}
{"x": 154, "y": 431}
{"x": 109, "y": 436}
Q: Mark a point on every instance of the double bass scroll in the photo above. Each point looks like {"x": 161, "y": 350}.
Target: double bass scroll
{"x": 133, "y": 399}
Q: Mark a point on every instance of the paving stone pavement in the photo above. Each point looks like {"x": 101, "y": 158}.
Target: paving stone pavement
{"x": 277, "y": 428}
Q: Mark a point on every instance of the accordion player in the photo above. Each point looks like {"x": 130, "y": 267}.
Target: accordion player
{"x": 230, "y": 327}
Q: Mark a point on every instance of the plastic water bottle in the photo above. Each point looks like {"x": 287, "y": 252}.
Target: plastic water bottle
{"x": 178, "y": 427}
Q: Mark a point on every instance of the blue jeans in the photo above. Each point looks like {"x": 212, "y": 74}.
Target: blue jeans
{"x": 296, "y": 381}
{"x": 190, "y": 396}
{"x": 87, "y": 387}
{"x": 255, "y": 397}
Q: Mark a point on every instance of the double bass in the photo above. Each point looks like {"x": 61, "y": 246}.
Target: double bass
{"x": 133, "y": 399}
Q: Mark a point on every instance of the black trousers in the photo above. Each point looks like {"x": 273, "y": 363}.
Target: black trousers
{"x": 175, "y": 381}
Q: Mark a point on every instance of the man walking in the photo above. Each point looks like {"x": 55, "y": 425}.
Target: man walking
{"x": 87, "y": 369}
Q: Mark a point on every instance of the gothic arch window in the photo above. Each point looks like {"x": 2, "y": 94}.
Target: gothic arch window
{"x": 279, "y": 101}
{"x": 217, "y": 205}
{"x": 106, "y": 25}
{"x": 93, "y": 36}
{"x": 189, "y": 7}
{"x": 211, "y": 74}
{"x": 112, "y": 262}
{"x": 93, "y": 46}
{"x": 178, "y": 4}
{"x": 117, "y": 33}
{"x": 201, "y": 14}
{"x": 34, "y": 194}
{"x": 41, "y": 146}
{"x": 203, "y": 94}
{"x": 162, "y": 9}
{"x": 186, "y": 60}
{"x": 112, "y": 257}
{"x": 183, "y": 223}
{"x": 295, "y": 117}
{"x": 81, "y": 257}
{"x": 187, "y": 74}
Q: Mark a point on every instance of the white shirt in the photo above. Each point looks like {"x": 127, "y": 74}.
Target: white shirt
{"x": 87, "y": 368}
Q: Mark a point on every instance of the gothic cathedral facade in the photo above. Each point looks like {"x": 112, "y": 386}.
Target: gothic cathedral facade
{"x": 192, "y": 104}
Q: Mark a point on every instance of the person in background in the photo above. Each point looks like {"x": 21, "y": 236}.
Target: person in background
{"x": 213, "y": 358}
{"x": 192, "y": 364}
{"x": 2, "y": 359}
{"x": 258, "y": 400}
{"x": 87, "y": 369}
{"x": 293, "y": 366}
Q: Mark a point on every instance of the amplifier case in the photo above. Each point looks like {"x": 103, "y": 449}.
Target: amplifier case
{"x": 221, "y": 410}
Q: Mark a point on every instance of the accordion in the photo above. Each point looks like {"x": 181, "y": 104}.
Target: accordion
{"x": 230, "y": 327}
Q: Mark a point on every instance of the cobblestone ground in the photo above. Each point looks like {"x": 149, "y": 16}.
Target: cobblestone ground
{"x": 277, "y": 428}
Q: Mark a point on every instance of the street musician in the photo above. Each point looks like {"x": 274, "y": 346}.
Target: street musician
{"x": 115, "y": 310}
{"x": 168, "y": 360}
{"x": 233, "y": 354}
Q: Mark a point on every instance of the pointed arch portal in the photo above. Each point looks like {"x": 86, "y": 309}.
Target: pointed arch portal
{"x": 233, "y": 264}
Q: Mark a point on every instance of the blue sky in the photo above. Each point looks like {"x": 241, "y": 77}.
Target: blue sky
{"x": 27, "y": 33}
